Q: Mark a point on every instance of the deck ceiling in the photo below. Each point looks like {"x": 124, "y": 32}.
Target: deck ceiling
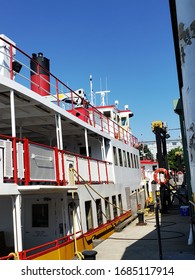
{"x": 34, "y": 120}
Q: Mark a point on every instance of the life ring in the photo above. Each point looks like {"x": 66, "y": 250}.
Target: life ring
{"x": 161, "y": 170}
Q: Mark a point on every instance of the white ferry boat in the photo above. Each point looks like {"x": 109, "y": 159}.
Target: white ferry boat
{"x": 69, "y": 170}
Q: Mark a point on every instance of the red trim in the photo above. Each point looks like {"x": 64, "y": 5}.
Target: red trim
{"x": 26, "y": 162}
{"x": 57, "y": 166}
{"x": 58, "y": 83}
{"x": 58, "y": 243}
{"x": 148, "y": 161}
{"x": 58, "y": 161}
{"x": 14, "y": 152}
{"x": 63, "y": 170}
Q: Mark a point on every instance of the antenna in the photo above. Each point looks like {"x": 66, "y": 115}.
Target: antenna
{"x": 92, "y": 95}
{"x": 103, "y": 94}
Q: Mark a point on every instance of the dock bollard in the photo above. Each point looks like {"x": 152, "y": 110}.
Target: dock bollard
{"x": 151, "y": 207}
{"x": 89, "y": 254}
{"x": 140, "y": 215}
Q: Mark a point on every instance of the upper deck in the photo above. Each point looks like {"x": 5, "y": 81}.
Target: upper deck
{"x": 39, "y": 97}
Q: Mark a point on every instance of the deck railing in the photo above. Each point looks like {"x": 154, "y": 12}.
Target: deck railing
{"x": 11, "y": 56}
{"x": 29, "y": 163}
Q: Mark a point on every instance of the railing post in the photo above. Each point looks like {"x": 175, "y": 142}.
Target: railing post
{"x": 26, "y": 162}
{"x": 57, "y": 93}
{"x": 57, "y": 166}
{"x": 108, "y": 125}
{"x": 101, "y": 121}
{"x": 11, "y": 59}
{"x": 94, "y": 123}
{"x": 77, "y": 166}
{"x": 63, "y": 171}
{"x": 72, "y": 100}
{"x": 39, "y": 79}
{"x": 89, "y": 169}
{"x": 15, "y": 171}
{"x": 98, "y": 171}
{"x": 106, "y": 172}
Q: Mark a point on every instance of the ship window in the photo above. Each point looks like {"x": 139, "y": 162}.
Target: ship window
{"x": 135, "y": 161}
{"x": 99, "y": 212}
{"x": 125, "y": 158}
{"x": 83, "y": 151}
{"x": 128, "y": 160}
{"x": 120, "y": 204}
{"x": 123, "y": 121}
{"x": 154, "y": 167}
{"x": 120, "y": 157}
{"x": 132, "y": 161}
{"x": 89, "y": 215}
{"x": 114, "y": 206}
{"x": 107, "y": 114}
{"x": 115, "y": 156}
{"x": 107, "y": 209}
{"x": 40, "y": 215}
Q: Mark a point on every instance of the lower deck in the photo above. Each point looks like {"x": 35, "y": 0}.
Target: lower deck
{"x": 35, "y": 220}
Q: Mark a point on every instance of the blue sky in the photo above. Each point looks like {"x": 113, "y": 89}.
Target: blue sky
{"x": 126, "y": 45}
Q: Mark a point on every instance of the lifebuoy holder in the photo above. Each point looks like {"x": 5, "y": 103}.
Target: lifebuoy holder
{"x": 156, "y": 177}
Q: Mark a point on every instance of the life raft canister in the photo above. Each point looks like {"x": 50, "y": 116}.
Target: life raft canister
{"x": 156, "y": 177}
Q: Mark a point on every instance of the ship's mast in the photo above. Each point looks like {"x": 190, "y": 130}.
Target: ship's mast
{"x": 103, "y": 94}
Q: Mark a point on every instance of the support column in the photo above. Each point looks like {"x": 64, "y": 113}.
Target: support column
{"x": 18, "y": 222}
{"x": 16, "y": 211}
{"x": 86, "y": 143}
{"x": 103, "y": 149}
{"x": 13, "y": 120}
{"x": 59, "y": 131}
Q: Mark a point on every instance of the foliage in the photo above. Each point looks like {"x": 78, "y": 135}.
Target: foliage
{"x": 145, "y": 152}
{"x": 175, "y": 159}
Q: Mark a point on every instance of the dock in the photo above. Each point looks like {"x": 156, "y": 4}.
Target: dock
{"x": 142, "y": 242}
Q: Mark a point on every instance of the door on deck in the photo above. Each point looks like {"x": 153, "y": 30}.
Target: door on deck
{"x": 39, "y": 221}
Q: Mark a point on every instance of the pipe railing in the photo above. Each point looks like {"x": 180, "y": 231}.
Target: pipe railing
{"x": 49, "y": 165}
{"x": 89, "y": 114}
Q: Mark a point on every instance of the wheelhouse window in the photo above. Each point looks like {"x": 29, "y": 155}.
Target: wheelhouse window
{"x": 123, "y": 121}
{"x": 40, "y": 215}
{"x": 89, "y": 215}
{"x": 99, "y": 212}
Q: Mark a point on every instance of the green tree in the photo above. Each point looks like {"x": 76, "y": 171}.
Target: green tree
{"x": 175, "y": 159}
{"x": 145, "y": 152}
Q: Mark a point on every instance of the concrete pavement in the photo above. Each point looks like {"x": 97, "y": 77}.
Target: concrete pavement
{"x": 141, "y": 242}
